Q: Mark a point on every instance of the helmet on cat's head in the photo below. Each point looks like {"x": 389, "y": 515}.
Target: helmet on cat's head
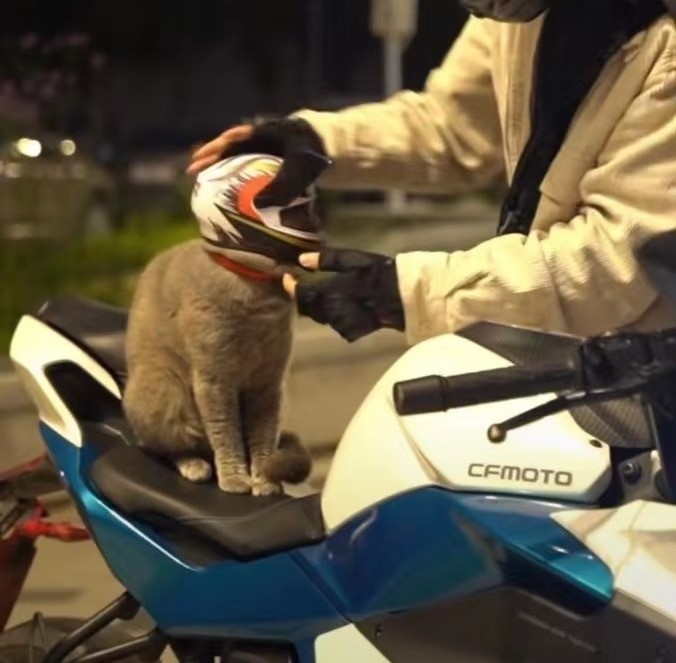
{"x": 260, "y": 204}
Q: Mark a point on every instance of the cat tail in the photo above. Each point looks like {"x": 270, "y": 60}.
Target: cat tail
{"x": 291, "y": 462}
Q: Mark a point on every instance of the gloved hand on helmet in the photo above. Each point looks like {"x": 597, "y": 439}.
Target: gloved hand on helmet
{"x": 360, "y": 299}
{"x": 363, "y": 296}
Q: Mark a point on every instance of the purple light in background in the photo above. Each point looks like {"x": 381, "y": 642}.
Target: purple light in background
{"x": 47, "y": 92}
{"x": 28, "y": 41}
{"x": 7, "y": 88}
{"x": 76, "y": 39}
{"x": 98, "y": 61}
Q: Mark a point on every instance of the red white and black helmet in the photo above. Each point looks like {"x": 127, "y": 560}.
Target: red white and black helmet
{"x": 248, "y": 204}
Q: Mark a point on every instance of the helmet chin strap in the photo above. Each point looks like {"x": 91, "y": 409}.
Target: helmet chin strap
{"x": 248, "y": 266}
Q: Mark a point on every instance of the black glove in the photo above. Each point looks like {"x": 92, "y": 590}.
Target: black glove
{"x": 362, "y": 298}
{"x": 295, "y": 141}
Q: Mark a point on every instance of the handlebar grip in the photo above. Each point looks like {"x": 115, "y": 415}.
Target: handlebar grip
{"x": 435, "y": 393}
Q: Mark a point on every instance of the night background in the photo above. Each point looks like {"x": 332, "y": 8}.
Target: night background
{"x": 101, "y": 102}
{"x": 161, "y": 75}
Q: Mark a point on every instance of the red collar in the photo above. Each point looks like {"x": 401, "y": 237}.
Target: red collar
{"x": 242, "y": 270}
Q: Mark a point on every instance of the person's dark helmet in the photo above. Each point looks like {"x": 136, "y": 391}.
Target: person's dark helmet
{"x": 512, "y": 11}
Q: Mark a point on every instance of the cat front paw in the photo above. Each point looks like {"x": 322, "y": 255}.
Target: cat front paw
{"x": 194, "y": 469}
{"x": 235, "y": 483}
{"x": 264, "y": 488}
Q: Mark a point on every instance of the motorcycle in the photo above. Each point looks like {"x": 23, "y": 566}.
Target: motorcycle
{"x": 518, "y": 509}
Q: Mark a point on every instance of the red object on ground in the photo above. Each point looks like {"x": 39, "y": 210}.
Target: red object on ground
{"x": 35, "y": 526}
{"x": 17, "y": 551}
{"x": 63, "y": 531}
{"x": 23, "y": 523}
{"x": 25, "y": 468}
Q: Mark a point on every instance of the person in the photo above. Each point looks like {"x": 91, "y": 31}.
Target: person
{"x": 607, "y": 186}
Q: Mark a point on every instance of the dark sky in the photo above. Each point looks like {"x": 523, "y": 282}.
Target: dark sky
{"x": 142, "y": 29}
{"x": 295, "y": 53}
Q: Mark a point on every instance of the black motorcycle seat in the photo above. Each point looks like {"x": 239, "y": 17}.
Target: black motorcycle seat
{"x": 99, "y": 329}
{"x": 243, "y": 526}
{"x": 196, "y": 516}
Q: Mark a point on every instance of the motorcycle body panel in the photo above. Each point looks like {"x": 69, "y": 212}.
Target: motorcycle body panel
{"x": 420, "y": 554}
{"x": 637, "y": 542}
{"x": 550, "y": 459}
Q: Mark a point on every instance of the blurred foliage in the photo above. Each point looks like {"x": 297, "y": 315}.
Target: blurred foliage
{"x": 103, "y": 269}
{"x": 106, "y": 269}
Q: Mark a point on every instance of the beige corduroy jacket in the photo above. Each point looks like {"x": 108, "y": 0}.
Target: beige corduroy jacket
{"x": 612, "y": 186}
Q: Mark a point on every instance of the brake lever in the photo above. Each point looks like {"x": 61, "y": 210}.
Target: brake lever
{"x": 497, "y": 433}
{"x": 631, "y": 362}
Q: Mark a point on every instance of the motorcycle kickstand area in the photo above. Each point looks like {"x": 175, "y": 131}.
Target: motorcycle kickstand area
{"x": 125, "y": 607}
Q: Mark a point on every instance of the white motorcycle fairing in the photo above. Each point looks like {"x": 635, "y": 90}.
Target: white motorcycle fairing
{"x": 383, "y": 454}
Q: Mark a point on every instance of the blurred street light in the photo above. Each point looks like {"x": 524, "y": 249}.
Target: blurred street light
{"x": 29, "y": 147}
{"x": 68, "y": 147}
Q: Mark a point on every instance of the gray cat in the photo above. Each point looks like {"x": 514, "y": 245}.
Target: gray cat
{"x": 207, "y": 352}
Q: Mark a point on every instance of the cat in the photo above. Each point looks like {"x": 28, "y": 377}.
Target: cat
{"x": 207, "y": 352}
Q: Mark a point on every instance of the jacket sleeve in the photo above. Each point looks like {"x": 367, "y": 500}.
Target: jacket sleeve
{"x": 445, "y": 139}
{"x": 581, "y": 275}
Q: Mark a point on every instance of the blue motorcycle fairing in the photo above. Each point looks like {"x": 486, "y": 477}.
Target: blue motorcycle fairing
{"x": 432, "y": 545}
{"x": 267, "y": 599}
{"x": 418, "y": 548}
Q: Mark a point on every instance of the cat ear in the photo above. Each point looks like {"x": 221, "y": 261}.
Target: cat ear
{"x": 299, "y": 171}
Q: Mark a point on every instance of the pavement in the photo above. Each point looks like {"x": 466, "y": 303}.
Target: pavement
{"x": 327, "y": 382}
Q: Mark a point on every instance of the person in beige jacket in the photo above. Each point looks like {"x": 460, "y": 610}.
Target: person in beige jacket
{"x": 611, "y": 186}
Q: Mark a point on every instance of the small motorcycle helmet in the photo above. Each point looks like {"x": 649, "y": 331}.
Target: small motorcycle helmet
{"x": 260, "y": 204}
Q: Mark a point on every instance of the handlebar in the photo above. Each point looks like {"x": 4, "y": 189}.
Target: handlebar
{"x": 602, "y": 367}
{"x": 435, "y": 393}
